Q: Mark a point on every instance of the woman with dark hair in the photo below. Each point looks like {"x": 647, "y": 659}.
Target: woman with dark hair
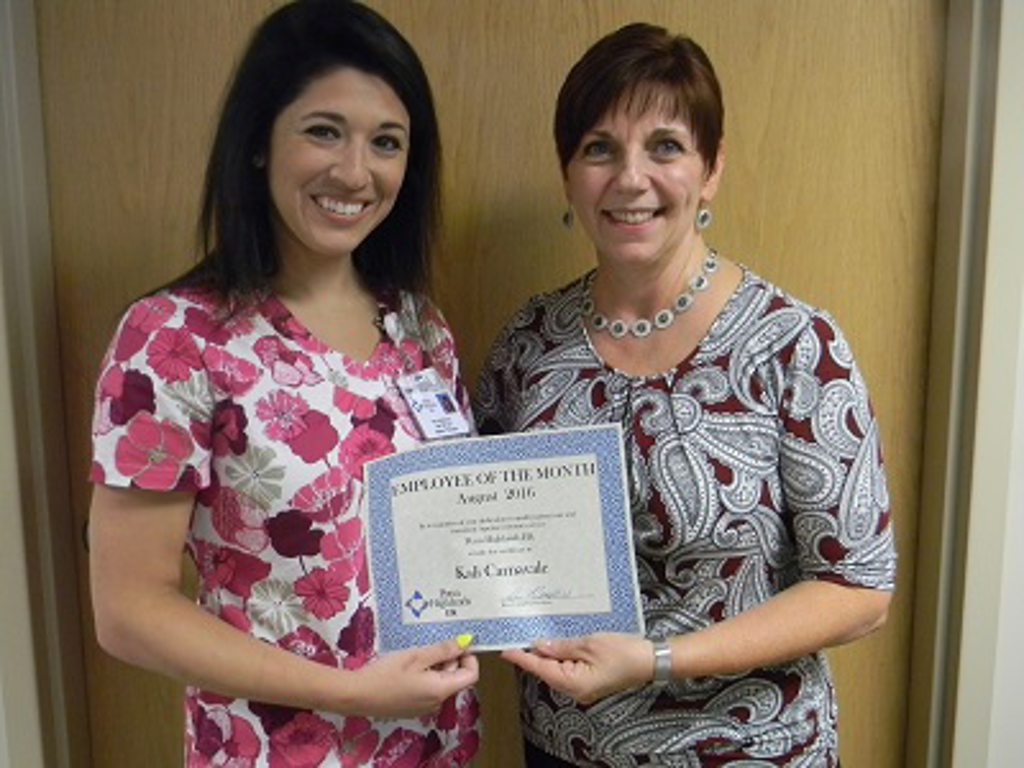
{"x": 237, "y": 406}
{"x": 761, "y": 520}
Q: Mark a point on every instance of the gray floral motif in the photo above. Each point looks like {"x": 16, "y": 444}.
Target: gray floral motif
{"x": 273, "y": 603}
{"x": 255, "y": 474}
{"x": 192, "y": 397}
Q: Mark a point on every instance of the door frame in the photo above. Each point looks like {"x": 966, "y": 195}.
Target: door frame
{"x": 965, "y": 563}
{"x": 42, "y": 676}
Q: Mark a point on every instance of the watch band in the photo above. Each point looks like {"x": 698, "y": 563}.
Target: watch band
{"x": 662, "y": 663}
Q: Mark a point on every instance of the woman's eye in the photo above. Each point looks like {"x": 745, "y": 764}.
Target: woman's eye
{"x": 596, "y": 150}
{"x": 669, "y": 148}
{"x": 388, "y": 143}
{"x": 325, "y": 132}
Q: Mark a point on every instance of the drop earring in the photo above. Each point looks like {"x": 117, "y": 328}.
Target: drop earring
{"x": 568, "y": 218}
{"x": 704, "y": 217}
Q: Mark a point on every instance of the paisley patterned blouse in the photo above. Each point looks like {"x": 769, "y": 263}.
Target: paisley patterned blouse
{"x": 270, "y": 429}
{"x": 753, "y": 464}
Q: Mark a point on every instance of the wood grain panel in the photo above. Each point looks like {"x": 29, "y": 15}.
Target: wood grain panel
{"x": 831, "y": 142}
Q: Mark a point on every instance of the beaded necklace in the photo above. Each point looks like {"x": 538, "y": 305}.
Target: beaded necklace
{"x": 642, "y": 326}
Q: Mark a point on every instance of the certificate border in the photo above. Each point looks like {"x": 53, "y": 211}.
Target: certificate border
{"x": 604, "y": 442}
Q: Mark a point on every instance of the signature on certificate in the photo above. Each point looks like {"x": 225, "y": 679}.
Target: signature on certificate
{"x": 540, "y": 595}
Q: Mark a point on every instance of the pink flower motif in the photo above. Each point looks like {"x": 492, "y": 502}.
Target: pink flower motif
{"x": 447, "y": 716}
{"x": 151, "y": 313}
{"x": 363, "y": 581}
{"x": 317, "y": 439}
{"x": 458, "y": 712}
{"x": 229, "y": 423}
{"x": 109, "y": 387}
{"x": 222, "y": 739}
{"x": 296, "y": 373}
{"x": 461, "y": 754}
{"x": 349, "y": 402}
{"x": 111, "y": 383}
{"x": 403, "y": 748}
{"x": 287, "y": 367}
{"x": 323, "y": 593}
{"x": 136, "y": 394}
{"x": 239, "y": 520}
{"x": 343, "y": 548}
{"x": 203, "y": 323}
{"x": 308, "y": 644}
{"x": 358, "y": 740}
{"x": 356, "y": 640}
{"x": 303, "y": 742}
{"x": 292, "y": 534}
{"x": 283, "y": 414}
{"x": 230, "y": 569}
{"x": 173, "y": 354}
{"x": 228, "y": 373}
{"x": 327, "y": 497}
{"x": 145, "y": 317}
{"x": 360, "y": 446}
{"x": 152, "y": 453}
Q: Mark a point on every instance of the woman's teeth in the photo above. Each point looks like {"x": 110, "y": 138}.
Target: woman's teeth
{"x": 338, "y": 207}
{"x": 631, "y": 217}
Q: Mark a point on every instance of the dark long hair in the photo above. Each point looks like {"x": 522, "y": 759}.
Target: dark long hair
{"x": 293, "y": 46}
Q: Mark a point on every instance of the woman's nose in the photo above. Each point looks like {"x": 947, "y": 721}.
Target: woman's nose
{"x": 350, "y": 167}
{"x": 632, "y": 172}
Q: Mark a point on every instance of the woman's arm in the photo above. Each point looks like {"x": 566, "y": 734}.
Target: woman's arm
{"x": 136, "y": 544}
{"x": 805, "y": 618}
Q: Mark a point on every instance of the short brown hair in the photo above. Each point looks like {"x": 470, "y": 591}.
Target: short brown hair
{"x": 634, "y": 68}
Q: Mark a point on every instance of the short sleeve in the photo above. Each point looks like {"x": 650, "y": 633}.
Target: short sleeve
{"x": 153, "y": 404}
{"x": 831, "y": 466}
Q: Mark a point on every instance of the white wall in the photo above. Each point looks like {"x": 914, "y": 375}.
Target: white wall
{"x": 1007, "y": 239}
{"x": 20, "y": 736}
{"x": 20, "y": 730}
{"x": 991, "y": 670}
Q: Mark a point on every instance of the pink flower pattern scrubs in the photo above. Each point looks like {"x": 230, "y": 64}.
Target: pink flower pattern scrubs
{"x": 270, "y": 429}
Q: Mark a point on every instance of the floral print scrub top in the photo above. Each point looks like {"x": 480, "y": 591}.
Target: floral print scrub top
{"x": 753, "y": 464}
{"x": 270, "y": 429}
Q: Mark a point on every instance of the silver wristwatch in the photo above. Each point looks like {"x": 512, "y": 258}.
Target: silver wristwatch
{"x": 662, "y": 663}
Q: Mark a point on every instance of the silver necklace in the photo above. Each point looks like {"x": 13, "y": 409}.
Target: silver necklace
{"x": 664, "y": 318}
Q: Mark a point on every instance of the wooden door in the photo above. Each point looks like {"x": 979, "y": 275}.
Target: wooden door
{"x": 832, "y": 143}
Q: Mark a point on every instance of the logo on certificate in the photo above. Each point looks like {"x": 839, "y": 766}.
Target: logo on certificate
{"x": 449, "y": 602}
{"x": 417, "y": 604}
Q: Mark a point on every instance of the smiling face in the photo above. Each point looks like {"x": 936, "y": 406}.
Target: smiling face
{"x": 636, "y": 183}
{"x": 337, "y": 158}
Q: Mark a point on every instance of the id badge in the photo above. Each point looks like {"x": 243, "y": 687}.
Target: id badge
{"x": 433, "y": 405}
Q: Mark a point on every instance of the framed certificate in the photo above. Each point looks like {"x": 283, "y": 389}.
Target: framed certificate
{"x": 513, "y": 538}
